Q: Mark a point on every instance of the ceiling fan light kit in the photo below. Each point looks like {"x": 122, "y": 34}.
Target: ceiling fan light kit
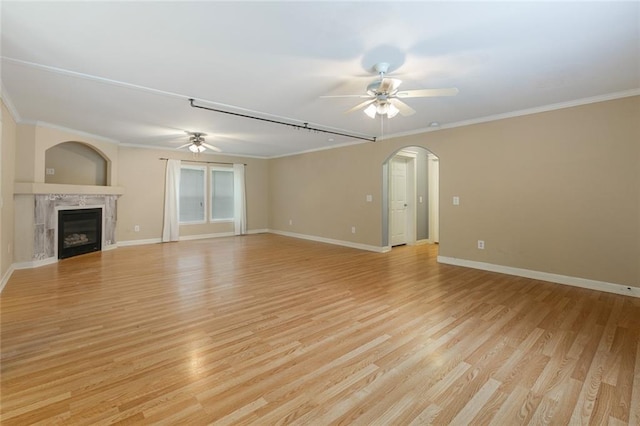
{"x": 197, "y": 144}
{"x": 385, "y": 108}
{"x": 384, "y": 95}
{"x": 196, "y": 148}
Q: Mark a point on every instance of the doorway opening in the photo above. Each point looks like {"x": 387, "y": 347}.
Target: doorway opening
{"x": 410, "y": 198}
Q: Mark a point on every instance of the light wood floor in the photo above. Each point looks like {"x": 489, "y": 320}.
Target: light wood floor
{"x": 265, "y": 330}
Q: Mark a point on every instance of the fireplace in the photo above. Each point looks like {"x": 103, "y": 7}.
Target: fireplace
{"x": 79, "y": 231}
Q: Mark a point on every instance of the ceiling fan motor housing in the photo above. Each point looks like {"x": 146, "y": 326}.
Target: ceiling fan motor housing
{"x": 372, "y": 89}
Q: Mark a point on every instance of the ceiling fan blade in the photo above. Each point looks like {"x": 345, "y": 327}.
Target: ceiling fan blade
{"x": 360, "y": 106}
{"x": 389, "y": 85}
{"x": 405, "y": 110}
{"x": 425, "y": 93}
{"x": 345, "y": 96}
{"x": 211, "y": 147}
{"x": 184, "y": 146}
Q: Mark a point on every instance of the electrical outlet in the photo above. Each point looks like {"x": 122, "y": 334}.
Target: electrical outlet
{"x": 369, "y": 198}
{"x": 456, "y": 200}
{"x": 481, "y": 244}
{"x": 136, "y": 228}
{"x": 353, "y": 229}
{"x": 290, "y": 221}
{"x": 50, "y": 171}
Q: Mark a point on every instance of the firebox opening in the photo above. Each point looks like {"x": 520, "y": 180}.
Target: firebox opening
{"x": 79, "y": 232}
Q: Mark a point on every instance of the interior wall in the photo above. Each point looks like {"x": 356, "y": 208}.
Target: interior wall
{"x": 554, "y": 192}
{"x": 324, "y": 193}
{"x": 76, "y": 164}
{"x": 142, "y": 174}
{"x": 7, "y": 177}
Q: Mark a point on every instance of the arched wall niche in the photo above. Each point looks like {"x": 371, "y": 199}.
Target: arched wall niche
{"x": 36, "y": 140}
{"x": 76, "y": 163}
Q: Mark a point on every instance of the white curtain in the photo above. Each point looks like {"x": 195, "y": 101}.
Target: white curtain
{"x": 239, "y": 200}
{"x": 171, "y": 228}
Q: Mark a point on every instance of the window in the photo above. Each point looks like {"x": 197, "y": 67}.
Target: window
{"x": 192, "y": 199}
{"x": 195, "y": 189}
{"x": 221, "y": 194}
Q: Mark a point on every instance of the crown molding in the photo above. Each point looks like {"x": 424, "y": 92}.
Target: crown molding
{"x": 74, "y": 131}
{"x": 523, "y": 112}
{"x": 6, "y": 99}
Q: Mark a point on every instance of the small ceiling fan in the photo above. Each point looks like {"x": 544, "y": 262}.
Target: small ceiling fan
{"x": 197, "y": 144}
{"x": 383, "y": 95}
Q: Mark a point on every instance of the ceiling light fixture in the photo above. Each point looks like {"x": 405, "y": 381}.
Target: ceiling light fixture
{"x": 381, "y": 108}
{"x": 196, "y": 148}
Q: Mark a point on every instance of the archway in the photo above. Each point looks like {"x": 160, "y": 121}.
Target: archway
{"x": 410, "y": 194}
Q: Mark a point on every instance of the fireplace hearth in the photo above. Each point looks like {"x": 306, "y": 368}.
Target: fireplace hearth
{"x": 79, "y": 232}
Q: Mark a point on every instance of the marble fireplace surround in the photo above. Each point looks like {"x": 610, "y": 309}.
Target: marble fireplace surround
{"x": 37, "y": 218}
{"x": 45, "y": 235}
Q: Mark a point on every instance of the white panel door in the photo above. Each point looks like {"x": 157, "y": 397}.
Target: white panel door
{"x": 398, "y": 201}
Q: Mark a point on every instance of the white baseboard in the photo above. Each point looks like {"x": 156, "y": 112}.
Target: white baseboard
{"x": 220, "y": 235}
{"x": 257, "y": 231}
{"x": 35, "y": 263}
{"x": 350, "y": 244}
{"x": 5, "y": 278}
{"x": 206, "y": 236}
{"x": 139, "y": 242}
{"x": 545, "y": 276}
{"x": 187, "y": 238}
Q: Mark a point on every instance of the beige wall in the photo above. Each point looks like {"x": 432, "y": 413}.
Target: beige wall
{"x": 324, "y": 194}
{"x": 75, "y": 163}
{"x": 141, "y": 173}
{"x": 7, "y": 176}
{"x": 554, "y": 192}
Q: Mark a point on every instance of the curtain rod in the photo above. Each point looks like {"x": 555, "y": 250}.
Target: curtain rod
{"x": 296, "y": 126}
{"x": 205, "y": 162}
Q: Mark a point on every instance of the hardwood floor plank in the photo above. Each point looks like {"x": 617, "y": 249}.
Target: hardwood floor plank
{"x": 634, "y": 408}
{"x": 265, "y": 329}
{"x": 476, "y": 403}
{"x": 517, "y": 409}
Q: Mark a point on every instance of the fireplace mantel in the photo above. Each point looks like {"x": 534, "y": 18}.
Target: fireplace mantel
{"x": 57, "y": 188}
{"x": 36, "y": 221}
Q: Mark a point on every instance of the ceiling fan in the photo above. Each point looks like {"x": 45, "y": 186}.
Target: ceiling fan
{"x": 383, "y": 95}
{"x": 197, "y": 144}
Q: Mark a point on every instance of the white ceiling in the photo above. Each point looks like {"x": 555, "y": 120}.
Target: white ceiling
{"x": 125, "y": 70}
